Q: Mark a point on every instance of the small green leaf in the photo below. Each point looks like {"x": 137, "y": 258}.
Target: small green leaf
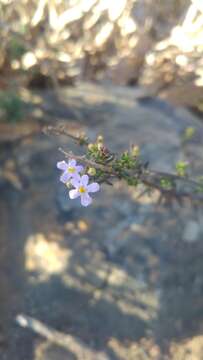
{"x": 181, "y": 168}
{"x": 166, "y": 184}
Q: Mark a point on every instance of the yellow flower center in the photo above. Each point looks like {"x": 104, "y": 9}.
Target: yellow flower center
{"x": 82, "y": 189}
{"x": 71, "y": 169}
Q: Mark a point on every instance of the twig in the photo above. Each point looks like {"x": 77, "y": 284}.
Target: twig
{"x": 152, "y": 179}
{"x": 181, "y": 187}
{"x": 105, "y": 168}
{"x": 61, "y": 130}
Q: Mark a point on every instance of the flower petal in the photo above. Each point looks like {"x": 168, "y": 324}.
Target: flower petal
{"x": 85, "y": 199}
{"x": 65, "y": 177}
{"x": 73, "y": 194}
{"x": 94, "y": 187}
{"x": 79, "y": 168}
{"x": 84, "y": 180}
{"x": 75, "y": 181}
{"x": 62, "y": 165}
{"x": 72, "y": 162}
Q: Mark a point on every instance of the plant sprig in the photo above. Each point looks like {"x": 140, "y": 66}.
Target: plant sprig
{"x": 105, "y": 166}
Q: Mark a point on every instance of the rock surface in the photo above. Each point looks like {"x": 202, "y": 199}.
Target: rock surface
{"x": 124, "y": 275}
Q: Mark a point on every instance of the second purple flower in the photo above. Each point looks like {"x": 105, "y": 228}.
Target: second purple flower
{"x": 82, "y": 189}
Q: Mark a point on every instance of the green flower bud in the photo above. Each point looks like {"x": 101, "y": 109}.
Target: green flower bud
{"x": 91, "y": 171}
{"x": 69, "y": 185}
{"x": 181, "y": 168}
{"x": 100, "y": 139}
{"x": 135, "y": 151}
{"x": 100, "y": 146}
{"x": 91, "y": 147}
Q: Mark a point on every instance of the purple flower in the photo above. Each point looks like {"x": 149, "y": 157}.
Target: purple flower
{"x": 70, "y": 170}
{"x": 82, "y": 189}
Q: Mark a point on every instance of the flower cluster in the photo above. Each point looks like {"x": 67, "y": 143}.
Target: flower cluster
{"x": 71, "y": 176}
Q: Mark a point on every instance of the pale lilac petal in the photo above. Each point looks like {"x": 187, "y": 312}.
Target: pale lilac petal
{"x": 65, "y": 177}
{"x": 85, "y": 199}
{"x": 72, "y": 163}
{"x": 73, "y": 194}
{"x": 75, "y": 181}
{"x": 79, "y": 168}
{"x": 62, "y": 165}
{"x": 84, "y": 180}
{"x": 94, "y": 187}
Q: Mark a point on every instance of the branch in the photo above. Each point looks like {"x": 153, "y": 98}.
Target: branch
{"x": 107, "y": 169}
{"x": 183, "y": 187}
{"x": 130, "y": 168}
{"x": 61, "y": 130}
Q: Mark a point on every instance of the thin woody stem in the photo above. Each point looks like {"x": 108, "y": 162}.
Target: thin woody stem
{"x": 105, "y": 168}
{"x": 181, "y": 187}
{"x": 148, "y": 178}
{"x": 61, "y": 130}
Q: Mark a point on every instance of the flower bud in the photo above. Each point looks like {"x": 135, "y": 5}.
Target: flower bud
{"x": 100, "y": 139}
{"x": 100, "y": 146}
{"x": 91, "y": 171}
{"x": 91, "y": 147}
{"x": 135, "y": 151}
{"x": 68, "y": 184}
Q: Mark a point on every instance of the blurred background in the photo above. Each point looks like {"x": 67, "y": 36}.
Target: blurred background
{"x": 122, "y": 278}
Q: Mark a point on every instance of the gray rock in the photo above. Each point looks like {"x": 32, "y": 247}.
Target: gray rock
{"x": 192, "y": 231}
{"x": 129, "y": 271}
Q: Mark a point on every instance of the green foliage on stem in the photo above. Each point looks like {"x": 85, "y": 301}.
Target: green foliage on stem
{"x": 166, "y": 184}
{"x": 105, "y": 166}
{"x": 181, "y": 168}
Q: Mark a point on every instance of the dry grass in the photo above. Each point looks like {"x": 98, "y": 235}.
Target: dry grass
{"x": 125, "y": 41}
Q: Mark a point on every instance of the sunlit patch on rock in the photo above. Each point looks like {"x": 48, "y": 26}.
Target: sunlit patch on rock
{"x": 45, "y": 257}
